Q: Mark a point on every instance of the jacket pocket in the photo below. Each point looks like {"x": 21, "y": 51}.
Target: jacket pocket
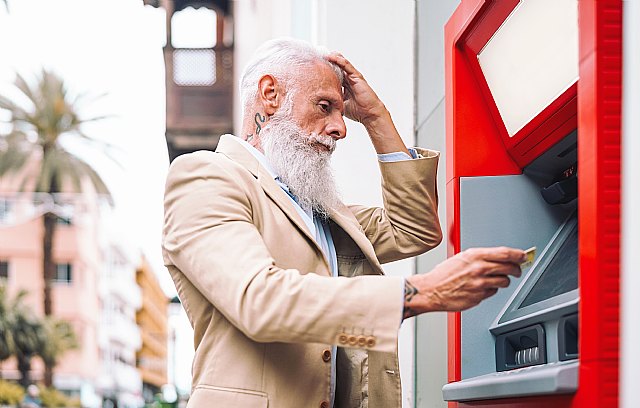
{"x": 209, "y": 396}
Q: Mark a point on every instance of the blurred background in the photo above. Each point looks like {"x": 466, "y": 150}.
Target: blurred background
{"x": 96, "y": 99}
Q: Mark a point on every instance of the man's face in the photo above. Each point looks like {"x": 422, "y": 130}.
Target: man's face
{"x": 318, "y": 105}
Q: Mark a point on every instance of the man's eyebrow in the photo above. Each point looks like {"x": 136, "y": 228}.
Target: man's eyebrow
{"x": 334, "y": 101}
{"x": 331, "y": 97}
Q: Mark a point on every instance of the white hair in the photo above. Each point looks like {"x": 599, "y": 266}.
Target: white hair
{"x": 283, "y": 58}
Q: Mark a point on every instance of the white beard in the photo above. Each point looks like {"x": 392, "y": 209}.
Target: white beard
{"x": 295, "y": 158}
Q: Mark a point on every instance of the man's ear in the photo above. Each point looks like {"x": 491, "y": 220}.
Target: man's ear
{"x": 269, "y": 94}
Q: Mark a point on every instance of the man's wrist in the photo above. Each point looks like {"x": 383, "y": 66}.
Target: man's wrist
{"x": 384, "y": 135}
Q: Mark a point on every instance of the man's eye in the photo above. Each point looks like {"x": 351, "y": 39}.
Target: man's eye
{"x": 325, "y": 107}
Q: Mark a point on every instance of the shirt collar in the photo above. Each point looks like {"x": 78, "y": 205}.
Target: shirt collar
{"x": 262, "y": 159}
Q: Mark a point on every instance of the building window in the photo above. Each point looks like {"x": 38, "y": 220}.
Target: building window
{"x": 4, "y": 270}
{"x": 5, "y": 209}
{"x": 63, "y": 273}
{"x": 194, "y": 36}
{"x": 194, "y": 28}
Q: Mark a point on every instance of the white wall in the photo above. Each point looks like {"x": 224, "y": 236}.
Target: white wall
{"x": 431, "y": 328}
{"x": 377, "y": 37}
{"x": 255, "y": 22}
{"x": 630, "y": 279}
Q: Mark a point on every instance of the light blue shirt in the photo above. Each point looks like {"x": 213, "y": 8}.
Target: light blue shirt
{"x": 318, "y": 228}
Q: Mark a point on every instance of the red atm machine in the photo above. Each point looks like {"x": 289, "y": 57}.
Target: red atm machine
{"x": 533, "y": 108}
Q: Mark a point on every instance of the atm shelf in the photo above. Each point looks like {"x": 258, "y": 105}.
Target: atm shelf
{"x": 551, "y": 378}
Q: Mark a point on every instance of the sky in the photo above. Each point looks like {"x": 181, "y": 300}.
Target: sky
{"x": 112, "y": 47}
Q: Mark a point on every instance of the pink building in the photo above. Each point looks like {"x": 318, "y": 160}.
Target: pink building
{"x": 94, "y": 289}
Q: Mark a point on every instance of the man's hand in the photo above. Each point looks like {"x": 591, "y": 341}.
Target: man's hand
{"x": 360, "y": 101}
{"x": 363, "y": 105}
{"x": 462, "y": 281}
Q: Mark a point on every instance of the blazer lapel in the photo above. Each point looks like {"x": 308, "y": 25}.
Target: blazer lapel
{"x": 240, "y": 155}
{"x": 275, "y": 192}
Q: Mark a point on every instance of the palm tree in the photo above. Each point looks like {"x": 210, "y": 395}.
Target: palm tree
{"x": 6, "y": 339}
{"x": 23, "y": 334}
{"x": 46, "y": 113}
{"x": 29, "y": 339}
{"x": 60, "y": 338}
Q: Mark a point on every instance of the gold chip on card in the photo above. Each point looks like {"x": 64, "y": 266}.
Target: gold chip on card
{"x": 531, "y": 255}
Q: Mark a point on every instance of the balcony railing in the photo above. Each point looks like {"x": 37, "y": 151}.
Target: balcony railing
{"x": 16, "y": 208}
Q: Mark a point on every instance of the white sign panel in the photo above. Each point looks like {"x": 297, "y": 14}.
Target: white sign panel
{"x": 532, "y": 59}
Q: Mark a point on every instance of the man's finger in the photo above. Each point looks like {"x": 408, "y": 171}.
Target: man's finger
{"x": 343, "y": 63}
{"x": 501, "y": 254}
{"x": 497, "y": 281}
{"x": 502, "y": 269}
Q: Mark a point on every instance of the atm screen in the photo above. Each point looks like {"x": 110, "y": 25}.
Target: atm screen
{"x": 561, "y": 274}
{"x": 552, "y": 280}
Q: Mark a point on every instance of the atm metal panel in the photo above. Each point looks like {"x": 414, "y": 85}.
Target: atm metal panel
{"x": 495, "y": 211}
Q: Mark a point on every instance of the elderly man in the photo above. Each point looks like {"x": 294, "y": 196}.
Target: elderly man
{"x": 281, "y": 281}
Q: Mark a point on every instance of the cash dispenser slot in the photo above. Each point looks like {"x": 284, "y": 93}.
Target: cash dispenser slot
{"x": 521, "y": 348}
{"x": 568, "y": 338}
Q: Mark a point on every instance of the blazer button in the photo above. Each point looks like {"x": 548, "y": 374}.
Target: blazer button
{"x": 362, "y": 341}
{"x": 326, "y": 356}
{"x": 353, "y": 340}
{"x": 371, "y": 341}
{"x": 343, "y": 339}
{"x": 324, "y": 404}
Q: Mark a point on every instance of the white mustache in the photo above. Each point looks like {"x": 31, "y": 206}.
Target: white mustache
{"x": 326, "y": 141}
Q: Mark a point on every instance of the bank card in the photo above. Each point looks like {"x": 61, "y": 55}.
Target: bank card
{"x": 531, "y": 255}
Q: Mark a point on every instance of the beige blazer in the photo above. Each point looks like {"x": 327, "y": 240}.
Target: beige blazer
{"x": 258, "y": 289}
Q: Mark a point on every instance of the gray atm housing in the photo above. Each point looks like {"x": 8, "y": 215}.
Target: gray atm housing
{"x": 533, "y": 331}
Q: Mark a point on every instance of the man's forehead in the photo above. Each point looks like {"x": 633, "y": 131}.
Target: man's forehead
{"x": 321, "y": 78}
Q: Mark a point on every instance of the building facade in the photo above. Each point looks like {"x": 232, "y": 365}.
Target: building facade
{"x": 94, "y": 289}
{"x": 152, "y": 318}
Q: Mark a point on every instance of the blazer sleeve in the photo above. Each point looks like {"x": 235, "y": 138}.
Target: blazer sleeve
{"x": 407, "y": 224}
{"x": 209, "y": 235}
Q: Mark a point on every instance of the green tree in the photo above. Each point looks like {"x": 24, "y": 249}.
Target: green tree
{"x": 6, "y": 339}
{"x": 60, "y": 338}
{"x": 40, "y": 115}
{"x": 29, "y": 339}
{"x": 23, "y": 333}
{"x": 25, "y": 336}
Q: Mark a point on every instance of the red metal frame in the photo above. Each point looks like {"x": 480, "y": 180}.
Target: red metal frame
{"x": 550, "y": 125}
{"x": 477, "y": 145}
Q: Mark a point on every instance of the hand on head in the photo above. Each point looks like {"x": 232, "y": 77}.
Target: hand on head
{"x": 463, "y": 280}
{"x": 361, "y": 102}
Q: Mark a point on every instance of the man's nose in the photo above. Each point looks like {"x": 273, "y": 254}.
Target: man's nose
{"x": 337, "y": 129}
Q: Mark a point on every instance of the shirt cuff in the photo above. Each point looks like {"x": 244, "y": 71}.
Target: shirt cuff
{"x": 399, "y": 156}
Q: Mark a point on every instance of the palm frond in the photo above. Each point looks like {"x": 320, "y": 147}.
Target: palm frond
{"x": 105, "y": 148}
{"x": 46, "y": 108}
{"x": 61, "y": 338}
{"x": 14, "y": 154}
{"x": 86, "y": 98}
{"x": 66, "y": 175}
{"x": 94, "y": 177}
{"x": 18, "y": 113}
{"x": 23, "y": 86}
